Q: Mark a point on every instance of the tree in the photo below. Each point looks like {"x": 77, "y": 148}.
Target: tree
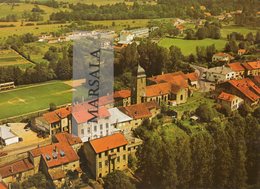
{"x": 175, "y": 59}
{"x": 206, "y": 113}
{"x": 202, "y": 33}
{"x": 231, "y": 46}
{"x": 202, "y": 148}
{"x": 250, "y": 38}
{"x": 257, "y": 38}
{"x": 118, "y": 180}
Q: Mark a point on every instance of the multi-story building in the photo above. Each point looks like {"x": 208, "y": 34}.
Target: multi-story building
{"x": 252, "y": 68}
{"x": 238, "y": 68}
{"x": 220, "y": 74}
{"x": 87, "y": 129}
{"x": 233, "y": 102}
{"x": 222, "y": 57}
{"x": 54, "y": 122}
{"x": 245, "y": 88}
{"x": 17, "y": 171}
{"x": 122, "y": 97}
{"x": 106, "y": 154}
{"x": 57, "y": 159}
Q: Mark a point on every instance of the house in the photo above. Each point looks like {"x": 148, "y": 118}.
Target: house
{"x": 17, "y": 171}
{"x": 56, "y": 160}
{"x": 110, "y": 153}
{"x": 220, "y": 74}
{"x": 119, "y": 120}
{"x": 140, "y": 112}
{"x": 2, "y": 185}
{"x": 256, "y": 80}
{"x": 222, "y": 57}
{"x": 245, "y": 88}
{"x": 252, "y": 68}
{"x": 7, "y": 137}
{"x": 7, "y": 86}
{"x": 238, "y": 68}
{"x": 181, "y": 28}
{"x": 122, "y": 97}
{"x": 126, "y": 37}
{"x": 74, "y": 141}
{"x": 231, "y": 101}
{"x": 193, "y": 79}
{"x": 241, "y": 52}
{"x": 87, "y": 129}
{"x": 54, "y": 122}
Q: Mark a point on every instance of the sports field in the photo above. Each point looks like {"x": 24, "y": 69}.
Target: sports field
{"x": 189, "y": 46}
{"x": 33, "y": 98}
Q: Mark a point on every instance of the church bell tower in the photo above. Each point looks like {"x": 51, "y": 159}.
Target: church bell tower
{"x": 138, "y": 91}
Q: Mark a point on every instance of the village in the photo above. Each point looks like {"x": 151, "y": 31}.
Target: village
{"x": 64, "y": 146}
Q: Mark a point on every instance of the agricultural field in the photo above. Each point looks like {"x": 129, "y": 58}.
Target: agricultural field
{"x": 10, "y": 58}
{"x": 243, "y": 30}
{"x": 19, "y": 8}
{"x": 189, "y": 46}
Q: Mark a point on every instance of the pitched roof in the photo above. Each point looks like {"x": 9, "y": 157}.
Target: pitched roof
{"x": 192, "y": 76}
{"x": 57, "y": 174}
{"x": 247, "y": 87}
{"x": 15, "y": 168}
{"x": 2, "y": 185}
{"x": 223, "y": 55}
{"x": 55, "y": 150}
{"x": 51, "y": 117}
{"x": 169, "y": 77}
{"x": 252, "y": 65}
{"x": 220, "y": 70}
{"x": 117, "y": 116}
{"x": 6, "y": 133}
{"x": 158, "y": 89}
{"x": 82, "y": 115}
{"x": 122, "y": 93}
{"x": 226, "y": 96}
{"x": 236, "y": 66}
{"x": 108, "y": 142}
{"x": 137, "y": 111}
{"x": 65, "y": 137}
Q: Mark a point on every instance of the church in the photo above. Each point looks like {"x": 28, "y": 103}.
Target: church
{"x": 169, "y": 89}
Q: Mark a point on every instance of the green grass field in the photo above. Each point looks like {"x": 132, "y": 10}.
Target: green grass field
{"x": 189, "y": 46}
{"x": 243, "y": 30}
{"x": 33, "y": 98}
{"x": 10, "y": 58}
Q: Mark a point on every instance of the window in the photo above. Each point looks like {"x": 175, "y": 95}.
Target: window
{"x": 112, "y": 150}
{"x": 107, "y": 132}
{"x": 99, "y": 155}
{"x": 124, "y": 157}
{"x": 118, "y": 159}
{"x": 107, "y": 125}
{"x": 118, "y": 149}
{"x": 82, "y": 131}
{"x": 181, "y": 97}
{"x": 101, "y": 126}
{"x": 88, "y": 130}
{"x": 101, "y": 133}
{"x": 124, "y": 148}
{"x": 106, "y": 152}
{"x": 95, "y": 128}
{"x": 106, "y": 162}
{"x": 100, "y": 165}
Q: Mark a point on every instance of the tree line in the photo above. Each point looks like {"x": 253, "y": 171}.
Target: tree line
{"x": 218, "y": 154}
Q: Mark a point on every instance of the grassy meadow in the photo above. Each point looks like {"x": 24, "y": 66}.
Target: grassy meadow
{"x": 10, "y": 58}
{"x": 189, "y": 46}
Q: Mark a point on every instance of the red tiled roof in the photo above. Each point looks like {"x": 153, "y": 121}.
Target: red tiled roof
{"x": 2, "y": 186}
{"x": 158, "y": 89}
{"x": 122, "y": 93}
{"x": 15, "y": 168}
{"x": 108, "y": 142}
{"x": 65, "y": 137}
{"x": 192, "y": 76}
{"x": 242, "y": 50}
{"x": 105, "y": 100}
{"x": 51, "y": 117}
{"x": 256, "y": 79}
{"x": 247, "y": 87}
{"x": 226, "y": 96}
{"x": 236, "y": 66}
{"x": 70, "y": 154}
{"x": 252, "y": 65}
{"x": 63, "y": 112}
{"x": 169, "y": 77}
{"x": 137, "y": 111}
